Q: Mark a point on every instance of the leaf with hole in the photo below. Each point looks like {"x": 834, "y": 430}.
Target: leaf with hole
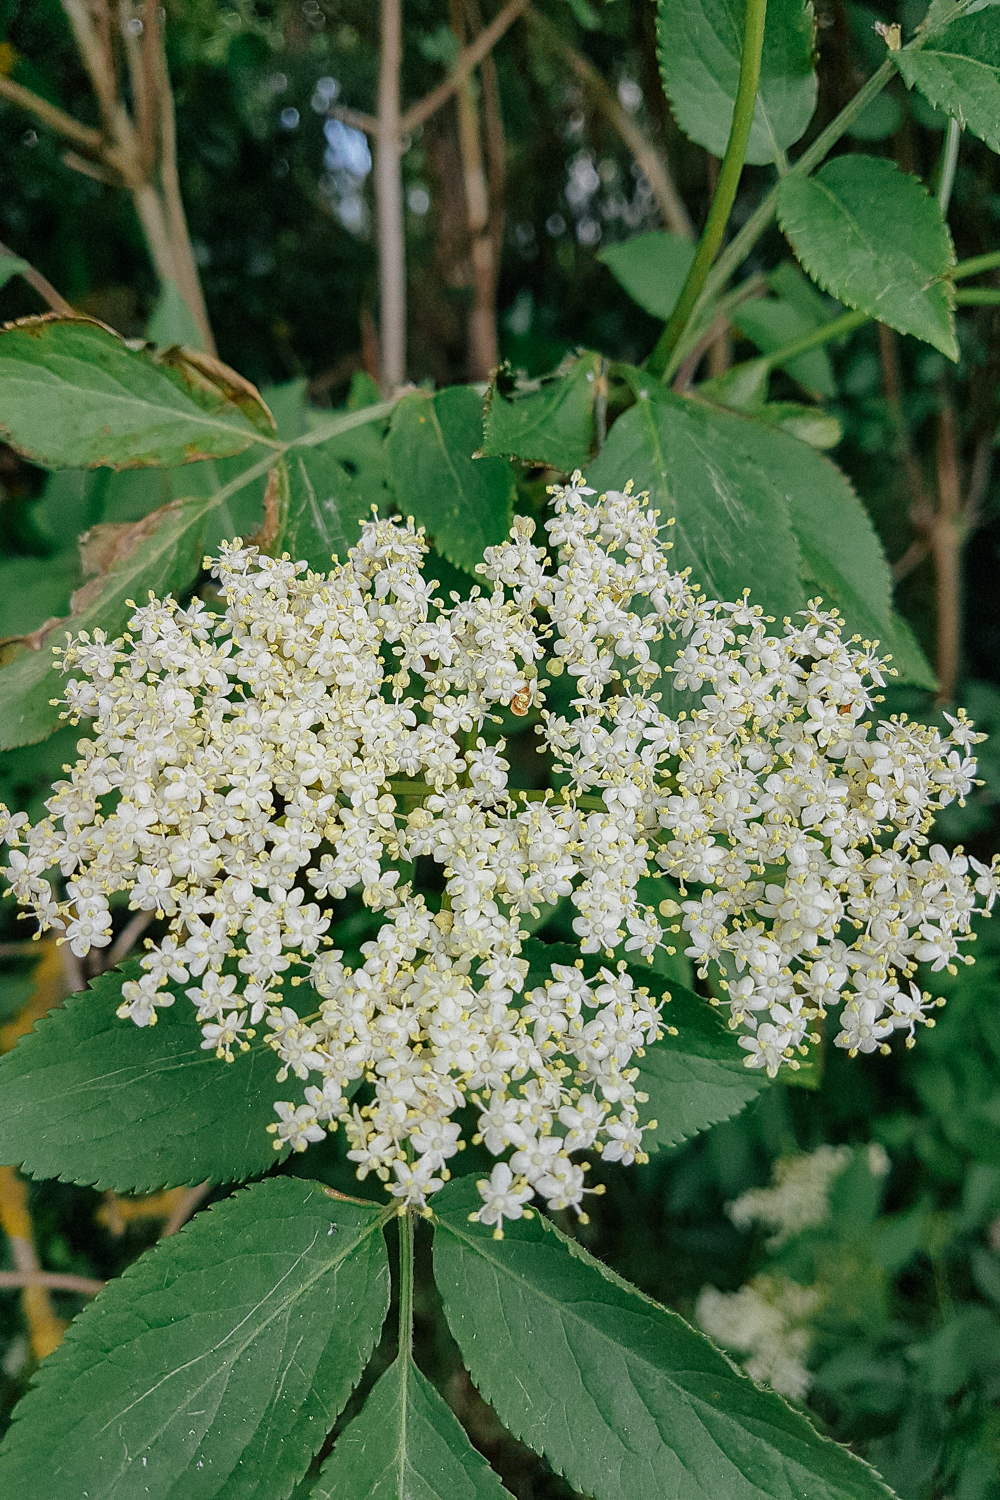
{"x": 74, "y": 395}
{"x": 465, "y": 503}
{"x": 622, "y": 1396}
{"x": 91, "y": 1099}
{"x": 222, "y": 1356}
{"x": 700, "y": 46}
{"x": 548, "y": 421}
{"x": 958, "y": 71}
{"x": 873, "y": 237}
{"x": 407, "y": 1444}
{"x": 651, "y": 268}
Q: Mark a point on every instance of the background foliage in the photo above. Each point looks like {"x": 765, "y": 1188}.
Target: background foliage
{"x": 905, "y": 1348}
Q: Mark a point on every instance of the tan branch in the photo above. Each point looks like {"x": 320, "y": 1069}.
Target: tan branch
{"x": 355, "y": 118}
{"x": 95, "y": 53}
{"x": 389, "y": 201}
{"x": 56, "y": 1281}
{"x": 56, "y": 119}
{"x": 185, "y": 1208}
{"x": 42, "y": 286}
{"x": 466, "y": 62}
{"x": 653, "y": 165}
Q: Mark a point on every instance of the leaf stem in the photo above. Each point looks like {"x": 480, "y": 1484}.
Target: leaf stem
{"x": 725, "y": 192}
{"x": 949, "y": 161}
{"x": 975, "y": 265}
{"x": 405, "y": 1224}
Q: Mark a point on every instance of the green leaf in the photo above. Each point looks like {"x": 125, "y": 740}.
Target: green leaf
{"x": 693, "y": 1079}
{"x": 813, "y": 425}
{"x": 35, "y": 589}
{"x": 773, "y": 323}
{"x": 407, "y": 1444}
{"x": 173, "y": 322}
{"x": 547, "y": 421}
{"x": 74, "y": 395}
{"x": 651, "y": 268}
{"x": 12, "y": 265}
{"x": 732, "y": 527}
{"x": 700, "y": 45}
{"x": 162, "y": 552}
{"x": 91, "y": 1099}
{"x": 465, "y": 503}
{"x": 323, "y": 513}
{"x": 623, "y": 1397}
{"x": 217, "y": 1363}
{"x": 872, "y": 236}
{"x": 958, "y": 70}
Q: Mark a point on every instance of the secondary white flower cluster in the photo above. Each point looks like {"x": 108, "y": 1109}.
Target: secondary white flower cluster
{"x": 767, "y": 1322}
{"x": 326, "y": 731}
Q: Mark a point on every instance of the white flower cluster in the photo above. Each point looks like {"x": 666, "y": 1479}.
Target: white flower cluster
{"x": 325, "y": 732}
{"x": 766, "y": 1321}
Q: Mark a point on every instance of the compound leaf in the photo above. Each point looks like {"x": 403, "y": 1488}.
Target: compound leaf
{"x": 958, "y": 71}
{"x": 700, "y": 45}
{"x": 407, "y": 1444}
{"x": 465, "y": 503}
{"x": 74, "y": 395}
{"x": 222, "y": 1356}
{"x": 622, "y": 1396}
{"x": 91, "y": 1099}
{"x": 873, "y": 236}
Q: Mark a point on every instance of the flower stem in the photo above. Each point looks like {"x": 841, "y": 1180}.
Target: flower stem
{"x": 405, "y": 1224}
{"x": 725, "y": 192}
{"x": 949, "y": 161}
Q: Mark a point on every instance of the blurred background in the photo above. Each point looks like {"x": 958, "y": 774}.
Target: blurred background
{"x": 843, "y": 1242}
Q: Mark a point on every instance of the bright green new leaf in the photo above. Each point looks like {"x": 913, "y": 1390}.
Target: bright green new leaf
{"x": 465, "y": 503}
{"x": 700, "y": 45}
{"x": 622, "y": 1396}
{"x": 74, "y": 395}
{"x": 407, "y": 1444}
{"x": 549, "y": 421}
{"x": 214, "y": 1368}
{"x": 651, "y": 268}
{"x": 772, "y": 323}
{"x": 813, "y": 425}
{"x": 958, "y": 70}
{"x": 732, "y": 527}
{"x": 693, "y": 1079}
{"x": 872, "y": 236}
{"x": 91, "y": 1099}
{"x": 10, "y": 266}
{"x": 162, "y": 552}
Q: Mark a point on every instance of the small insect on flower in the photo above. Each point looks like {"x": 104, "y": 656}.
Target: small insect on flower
{"x": 329, "y": 731}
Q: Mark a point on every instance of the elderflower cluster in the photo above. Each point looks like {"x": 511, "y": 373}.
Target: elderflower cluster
{"x": 767, "y": 1322}
{"x": 326, "y": 731}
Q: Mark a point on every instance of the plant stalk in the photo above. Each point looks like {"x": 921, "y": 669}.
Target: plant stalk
{"x": 405, "y": 1225}
{"x": 725, "y": 193}
{"x": 389, "y": 202}
{"x": 949, "y": 161}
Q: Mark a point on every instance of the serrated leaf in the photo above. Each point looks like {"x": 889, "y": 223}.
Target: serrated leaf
{"x": 466, "y": 504}
{"x": 651, "y": 268}
{"x": 732, "y": 527}
{"x": 693, "y": 1079}
{"x": 74, "y": 395}
{"x": 407, "y": 1444}
{"x": 10, "y": 266}
{"x": 958, "y": 71}
{"x": 551, "y": 421}
{"x": 811, "y": 424}
{"x": 873, "y": 237}
{"x": 162, "y": 552}
{"x": 700, "y": 46}
{"x": 322, "y": 523}
{"x": 91, "y": 1099}
{"x": 622, "y": 1396}
{"x": 222, "y": 1356}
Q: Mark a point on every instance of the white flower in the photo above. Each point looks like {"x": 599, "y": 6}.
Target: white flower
{"x": 504, "y": 1197}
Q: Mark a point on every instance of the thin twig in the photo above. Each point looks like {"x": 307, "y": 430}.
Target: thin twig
{"x": 482, "y": 344}
{"x": 466, "y": 62}
{"x": 185, "y": 1208}
{"x": 653, "y": 165}
{"x": 946, "y": 544}
{"x": 56, "y": 1281}
{"x": 42, "y": 286}
{"x": 128, "y": 937}
{"x": 56, "y": 119}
